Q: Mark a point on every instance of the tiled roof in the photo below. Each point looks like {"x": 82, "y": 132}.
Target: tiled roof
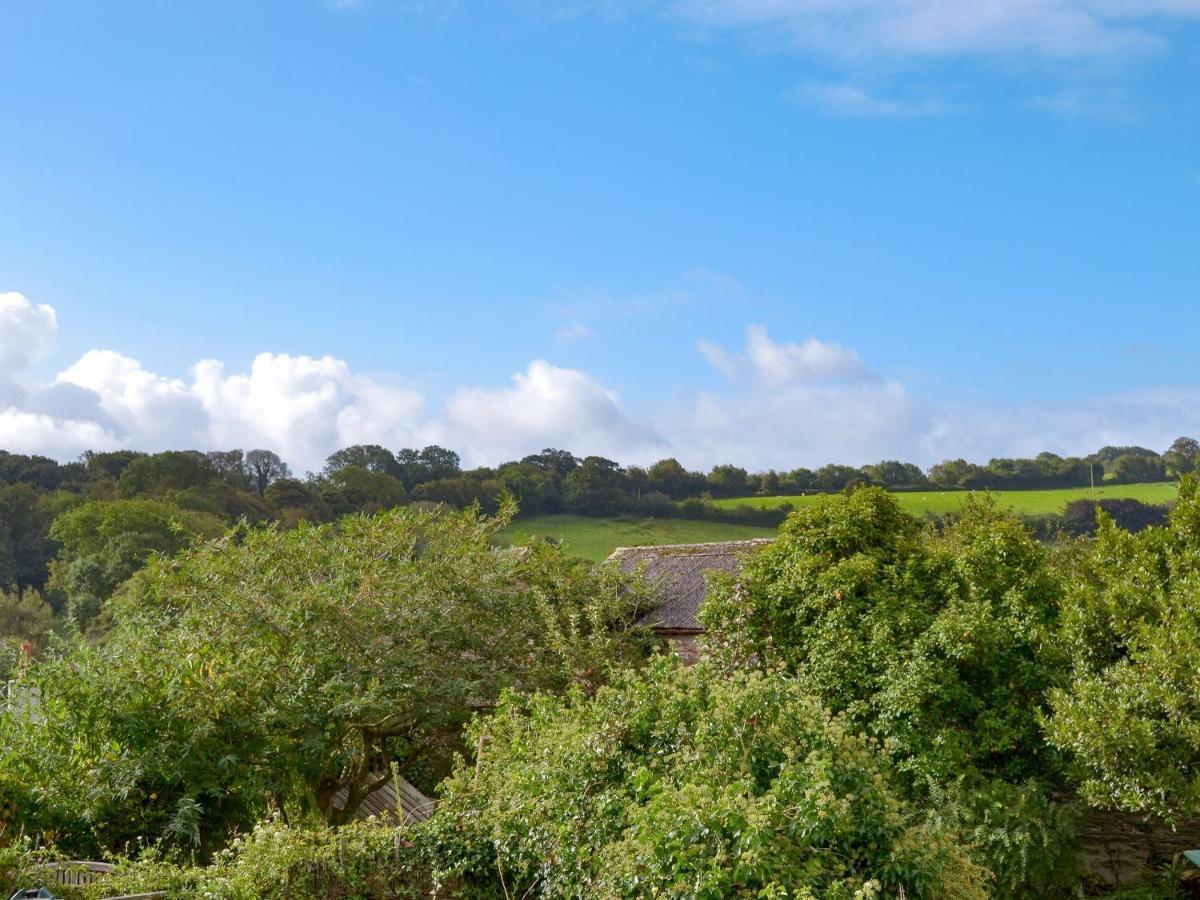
{"x": 677, "y": 573}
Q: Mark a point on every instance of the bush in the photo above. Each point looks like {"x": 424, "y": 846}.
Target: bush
{"x": 687, "y": 783}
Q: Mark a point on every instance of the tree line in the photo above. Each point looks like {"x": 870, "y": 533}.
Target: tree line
{"x": 76, "y": 530}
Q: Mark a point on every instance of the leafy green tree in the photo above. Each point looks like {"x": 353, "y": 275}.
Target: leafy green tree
{"x": 108, "y": 466}
{"x": 231, "y": 466}
{"x": 936, "y": 646}
{"x": 560, "y": 462}
{"x": 38, "y": 472}
{"x": 292, "y": 501}
{"x": 1130, "y": 715}
{"x": 265, "y": 467}
{"x": 595, "y": 487}
{"x": 357, "y": 489}
{"x": 668, "y": 476}
{"x": 835, "y": 477}
{"x": 294, "y": 664}
{"x": 687, "y": 783}
{"x": 1182, "y": 456}
{"x": 104, "y": 543}
{"x": 371, "y": 457}
{"x": 729, "y": 481}
{"x": 956, "y": 473}
{"x": 25, "y": 544}
{"x": 150, "y": 476}
{"x": 1130, "y": 468}
{"x": 894, "y": 474}
{"x": 537, "y": 489}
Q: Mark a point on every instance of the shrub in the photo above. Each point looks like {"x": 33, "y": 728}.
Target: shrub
{"x": 686, "y": 783}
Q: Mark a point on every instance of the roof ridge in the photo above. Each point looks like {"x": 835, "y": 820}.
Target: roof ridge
{"x": 698, "y": 547}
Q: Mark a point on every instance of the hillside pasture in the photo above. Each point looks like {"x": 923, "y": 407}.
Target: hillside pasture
{"x": 593, "y": 538}
{"x": 1024, "y": 503}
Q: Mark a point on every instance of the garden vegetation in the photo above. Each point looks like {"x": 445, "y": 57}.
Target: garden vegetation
{"x": 887, "y": 708}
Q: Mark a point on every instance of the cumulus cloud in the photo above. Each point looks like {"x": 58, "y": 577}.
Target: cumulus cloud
{"x": 785, "y": 404}
{"x": 300, "y": 406}
{"x": 546, "y": 406}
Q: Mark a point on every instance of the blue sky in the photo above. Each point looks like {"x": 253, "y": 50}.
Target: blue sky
{"x": 950, "y": 228}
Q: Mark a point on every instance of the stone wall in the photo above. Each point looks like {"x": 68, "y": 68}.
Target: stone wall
{"x": 1117, "y": 847}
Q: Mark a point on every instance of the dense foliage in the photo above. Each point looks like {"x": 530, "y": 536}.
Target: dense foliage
{"x": 1130, "y": 715}
{"x": 887, "y": 705}
{"x": 199, "y": 494}
{"x": 687, "y": 782}
{"x": 286, "y": 666}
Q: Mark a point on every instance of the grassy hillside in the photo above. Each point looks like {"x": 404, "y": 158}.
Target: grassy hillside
{"x": 597, "y": 538}
{"x": 1026, "y": 503}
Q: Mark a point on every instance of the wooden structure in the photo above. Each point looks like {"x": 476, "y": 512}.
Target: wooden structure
{"x": 386, "y": 804}
{"x": 76, "y": 872}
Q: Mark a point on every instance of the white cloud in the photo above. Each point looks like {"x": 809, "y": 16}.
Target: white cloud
{"x": 798, "y": 424}
{"x": 787, "y": 404}
{"x": 546, "y": 406}
{"x": 304, "y": 407}
{"x": 772, "y": 364}
{"x": 850, "y": 100}
{"x": 27, "y": 333}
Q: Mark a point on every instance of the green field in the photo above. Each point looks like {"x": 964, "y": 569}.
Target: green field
{"x": 1025, "y": 503}
{"x": 597, "y": 538}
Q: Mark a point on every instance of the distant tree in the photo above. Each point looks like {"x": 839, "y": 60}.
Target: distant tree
{"x": 1182, "y": 457}
{"x": 264, "y": 467}
{"x": 835, "y": 477}
{"x": 560, "y": 462}
{"x": 894, "y": 474}
{"x": 358, "y": 489}
{"x": 231, "y": 466}
{"x": 429, "y": 464}
{"x": 637, "y": 481}
{"x": 595, "y": 487}
{"x": 291, "y": 500}
{"x": 729, "y": 481}
{"x": 1131, "y": 468}
{"x": 669, "y": 477}
{"x": 25, "y": 545}
{"x": 173, "y": 470}
{"x": 371, "y": 457}
{"x": 798, "y": 481}
{"x": 956, "y": 473}
{"x": 462, "y": 492}
{"x": 440, "y": 462}
{"x": 1109, "y": 453}
{"x": 537, "y": 489}
{"x": 36, "y": 471}
{"x": 768, "y": 483}
{"x": 105, "y": 542}
{"x": 108, "y": 466}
